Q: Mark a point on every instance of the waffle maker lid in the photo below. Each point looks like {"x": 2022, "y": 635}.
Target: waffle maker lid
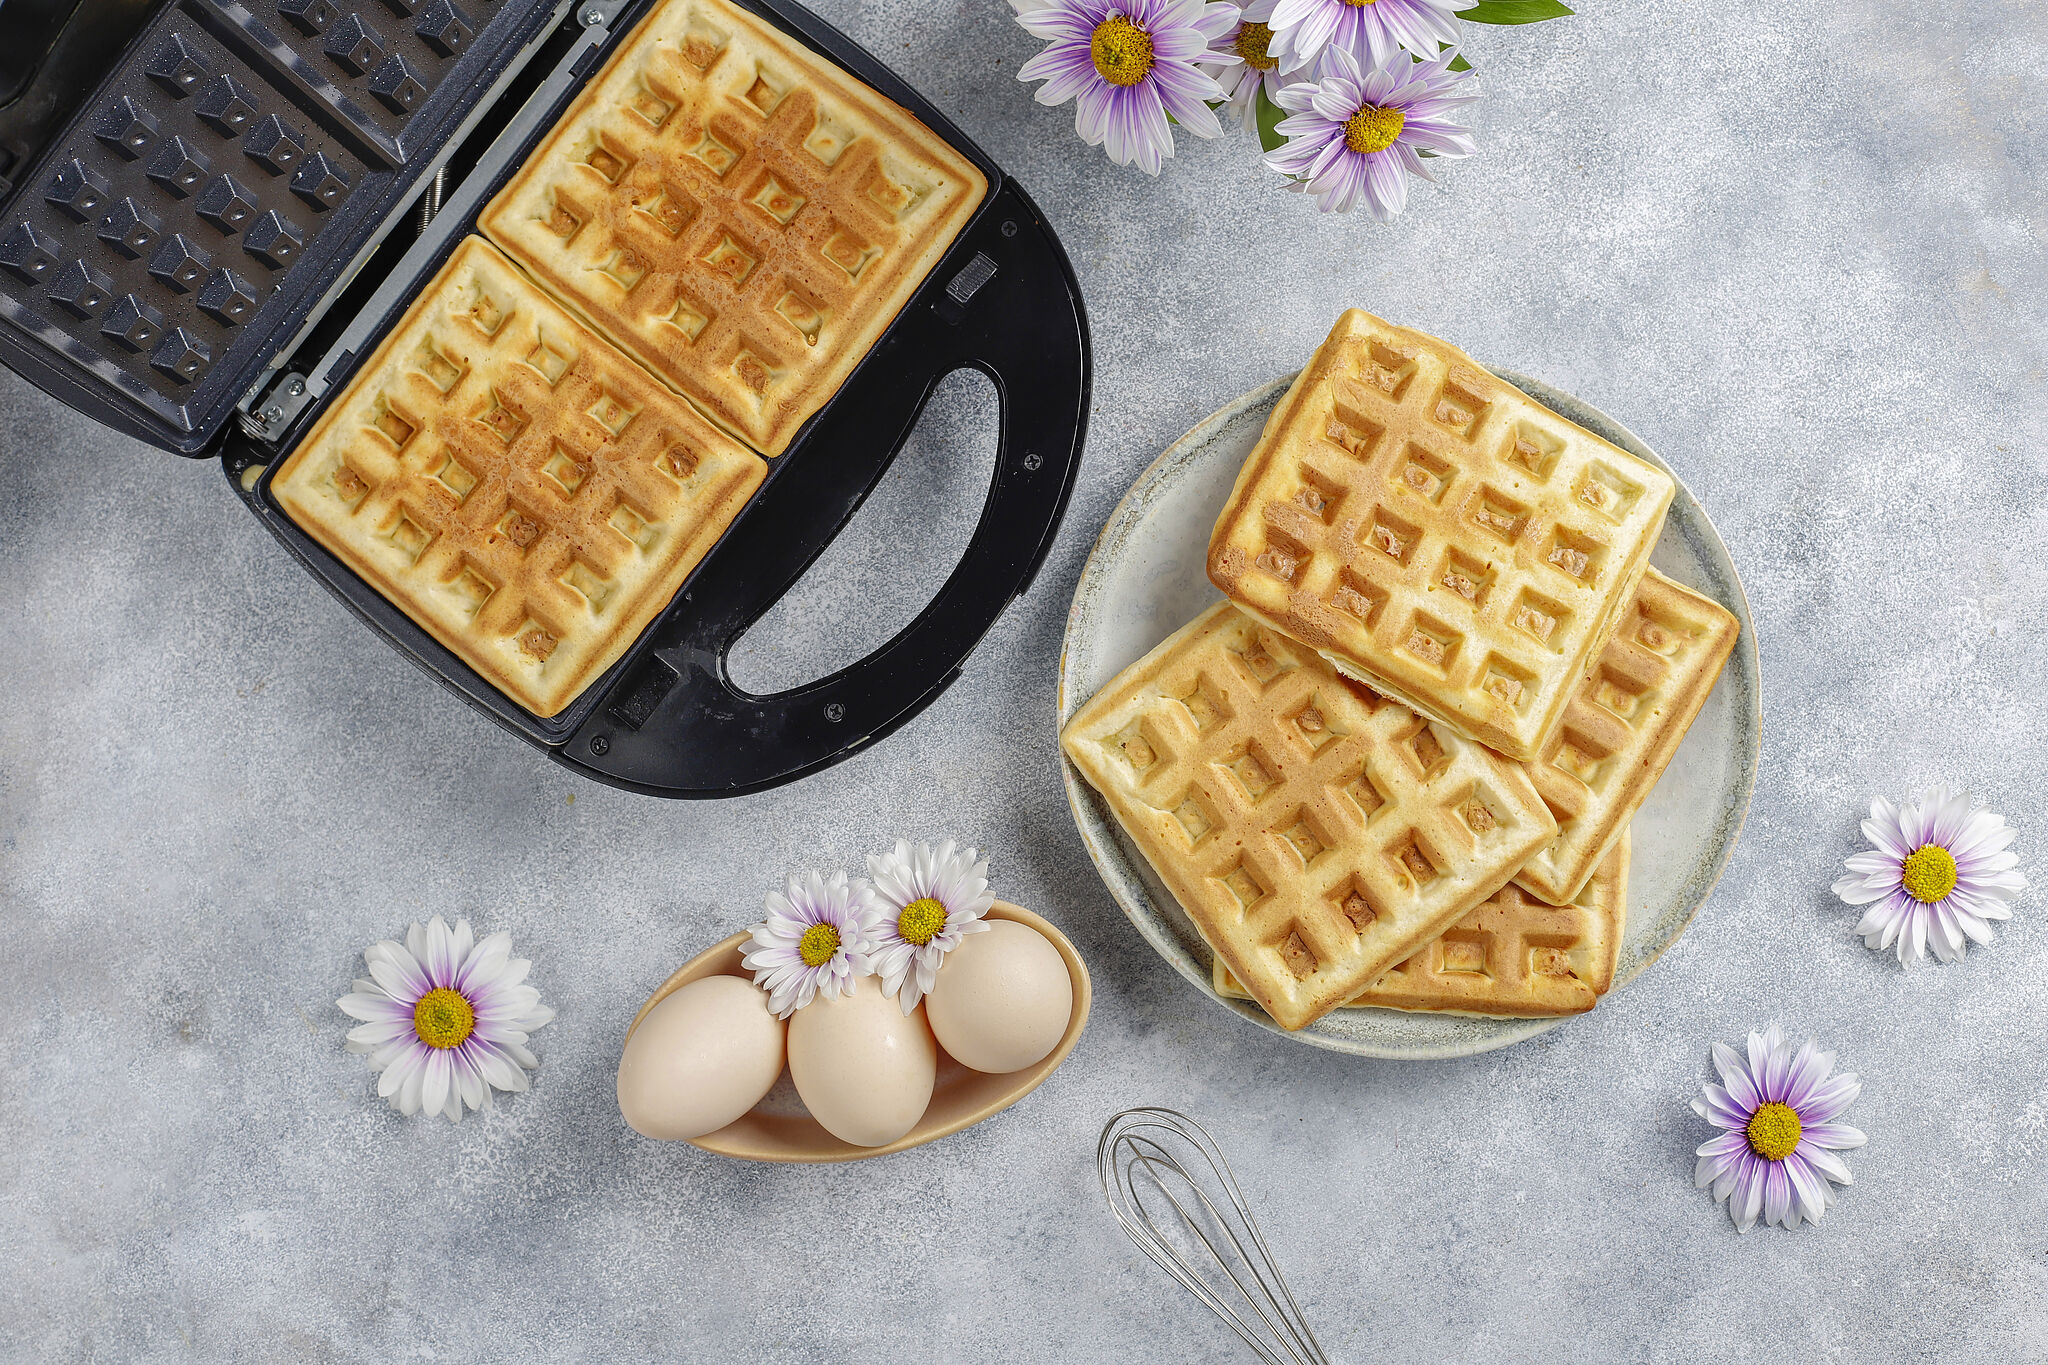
{"x": 171, "y": 234}
{"x": 193, "y": 238}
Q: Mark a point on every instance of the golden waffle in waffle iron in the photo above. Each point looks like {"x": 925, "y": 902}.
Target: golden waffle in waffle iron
{"x": 736, "y": 212}
{"x": 1623, "y": 725}
{"x": 1514, "y": 957}
{"x": 528, "y": 495}
{"x": 1315, "y": 832}
{"x": 1437, "y": 532}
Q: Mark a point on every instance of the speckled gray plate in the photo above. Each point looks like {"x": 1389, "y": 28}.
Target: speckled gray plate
{"x": 1146, "y": 578}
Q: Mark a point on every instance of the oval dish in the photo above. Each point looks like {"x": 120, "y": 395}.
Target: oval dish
{"x": 774, "y": 1131}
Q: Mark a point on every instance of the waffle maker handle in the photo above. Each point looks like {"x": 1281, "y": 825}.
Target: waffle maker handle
{"x": 673, "y": 724}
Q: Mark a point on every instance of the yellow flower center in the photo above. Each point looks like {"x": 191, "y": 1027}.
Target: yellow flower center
{"x": 1774, "y": 1131}
{"x": 1252, "y": 41}
{"x": 1373, "y": 129}
{"x": 1122, "y": 51}
{"x": 443, "y": 1018}
{"x": 1357, "y": 3}
{"x": 921, "y": 921}
{"x": 1930, "y": 873}
{"x": 818, "y": 944}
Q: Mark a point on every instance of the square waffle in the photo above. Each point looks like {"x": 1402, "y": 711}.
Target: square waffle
{"x": 528, "y": 495}
{"x": 1623, "y": 724}
{"x": 1315, "y": 832}
{"x": 1512, "y": 958}
{"x": 736, "y": 212}
{"x": 1438, "y": 533}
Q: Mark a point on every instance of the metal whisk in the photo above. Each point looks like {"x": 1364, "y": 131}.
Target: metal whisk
{"x": 1158, "y": 1170}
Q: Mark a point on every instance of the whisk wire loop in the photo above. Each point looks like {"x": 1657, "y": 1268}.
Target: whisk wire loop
{"x": 1143, "y": 1150}
{"x": 1159, "y": 1162}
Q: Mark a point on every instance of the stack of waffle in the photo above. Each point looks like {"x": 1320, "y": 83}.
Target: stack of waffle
{"x": 689, "y": 266}
{"x": 1397, "y": 765}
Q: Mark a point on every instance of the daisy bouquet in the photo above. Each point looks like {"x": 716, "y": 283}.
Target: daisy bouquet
{"x": 1349, "y": 98}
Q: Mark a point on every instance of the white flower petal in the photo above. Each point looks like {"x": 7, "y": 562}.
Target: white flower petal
{"x": 1871, "y": 862}
{"x": 400, "y": 1069}
{"x": 500, "y": 1068}
{"x": 382, "y": 1031}
{"x": 434, "y": 1093}
{"x": 1839, "y": 1136}
{"x": 372, "y": 1007}
{"x": 1882, "y": 829}
{"x": 1856, "y": 888}
{"x": 469, "y": 1084}
{"x": 1722, "y": 1144}
{"x": 486, "y": 962}
{"x": 1913, "y": 943}
{"x": 1749, "y": 1197}
{"x": 1827, "y": 1163}
{"x": 396, "y": 982}
{"x": 410, "y": 1089}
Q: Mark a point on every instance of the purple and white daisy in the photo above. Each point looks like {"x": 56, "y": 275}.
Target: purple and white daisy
{"x": 1355, "y": 134}
{"x": 1256, "y": 68}
{"x": 1127, "y": 64}
{"x": 1938, "y": 874}
{"x": 819, "y": 938}
{"x": 931, "y": 899}
{"x": 1777, "y": 1157}
{"x": 1370, "y": 30}
{"x": 445, "y": 1018}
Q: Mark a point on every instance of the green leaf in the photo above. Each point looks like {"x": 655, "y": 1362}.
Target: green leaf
{"x": 1270, "y": 115}
{"x": 1515, "y": 11}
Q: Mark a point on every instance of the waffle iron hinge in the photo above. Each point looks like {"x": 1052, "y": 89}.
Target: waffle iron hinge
{"x": 598, "y": 14}
{"x": 267, "y": 418}
{"x": 273, "y": 403}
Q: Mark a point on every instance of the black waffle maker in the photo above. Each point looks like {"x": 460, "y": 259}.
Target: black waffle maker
{"x": 201, "y": 250}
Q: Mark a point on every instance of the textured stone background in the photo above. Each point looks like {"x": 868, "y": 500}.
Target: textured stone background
{"x": 1796, "y": 246}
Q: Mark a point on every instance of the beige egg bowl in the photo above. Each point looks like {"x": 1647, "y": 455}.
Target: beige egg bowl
{"x": 960, "y": 1097}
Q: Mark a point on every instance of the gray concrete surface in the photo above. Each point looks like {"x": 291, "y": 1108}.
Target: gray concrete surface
{"x": 1798, "y": 247}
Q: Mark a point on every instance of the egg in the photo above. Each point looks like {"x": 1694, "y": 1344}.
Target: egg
{"x": 1002, "y": 998}
{"x": 701, "y": 1058}
{"x": 861, "y": 1066}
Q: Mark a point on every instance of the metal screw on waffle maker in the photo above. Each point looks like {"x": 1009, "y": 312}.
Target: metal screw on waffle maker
{"x": 491, "y": 312}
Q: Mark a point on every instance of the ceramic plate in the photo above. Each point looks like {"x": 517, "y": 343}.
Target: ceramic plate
{"x": 1146, "y": 578}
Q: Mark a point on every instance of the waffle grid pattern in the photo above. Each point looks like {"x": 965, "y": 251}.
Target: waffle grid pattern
{"x": 736, "y": 213}
{"x": 1437, "y": 532}
{"x": 1514, "y": 957}
{"x": 1313, "y": 831}
{"x": 519, "y": 488}
{"x": 1623, "y": 725}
